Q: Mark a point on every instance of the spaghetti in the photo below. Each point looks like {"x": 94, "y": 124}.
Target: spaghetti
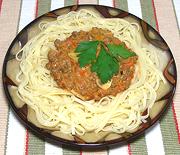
{"x": 58, "y": 108}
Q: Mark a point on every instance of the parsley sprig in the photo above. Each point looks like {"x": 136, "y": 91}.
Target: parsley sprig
{"x": 105, "y": 63}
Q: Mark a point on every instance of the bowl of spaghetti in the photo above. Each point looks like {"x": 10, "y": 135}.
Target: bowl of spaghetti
{"x": 89, "y": 76}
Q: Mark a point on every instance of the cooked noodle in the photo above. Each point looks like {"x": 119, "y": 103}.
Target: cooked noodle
{"x": 55, "y": 107}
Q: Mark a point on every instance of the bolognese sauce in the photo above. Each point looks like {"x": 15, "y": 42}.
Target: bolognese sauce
{"x": 68, "y": 75}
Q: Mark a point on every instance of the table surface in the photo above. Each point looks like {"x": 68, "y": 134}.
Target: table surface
{"x": 163, "y": 138}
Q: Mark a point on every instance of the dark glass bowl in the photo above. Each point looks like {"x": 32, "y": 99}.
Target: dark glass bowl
{"x": 91, "y": 141}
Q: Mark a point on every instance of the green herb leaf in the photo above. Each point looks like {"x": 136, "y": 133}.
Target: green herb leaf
{"x": 86, "y": 52}
{"x": 120, "y": 50}
{"x": 105, "y": 66}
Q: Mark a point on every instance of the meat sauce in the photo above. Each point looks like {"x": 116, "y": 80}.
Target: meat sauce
{"x": 81, "y": 81}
